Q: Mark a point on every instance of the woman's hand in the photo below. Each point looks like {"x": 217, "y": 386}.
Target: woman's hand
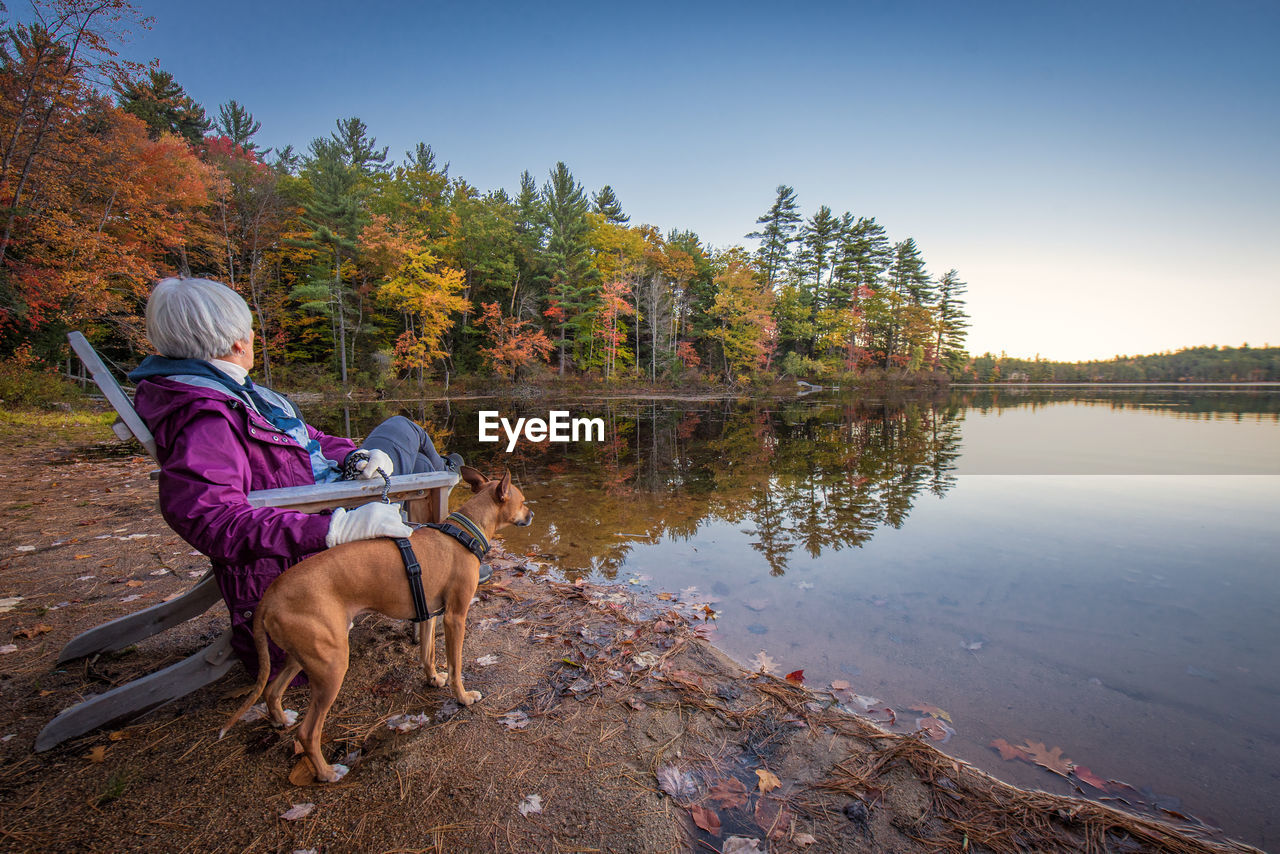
{"x": 365, "y": 523}
{"x": 378, "y": 461}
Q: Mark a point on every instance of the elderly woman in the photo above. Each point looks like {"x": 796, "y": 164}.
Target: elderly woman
{"x": 219, "y": 436}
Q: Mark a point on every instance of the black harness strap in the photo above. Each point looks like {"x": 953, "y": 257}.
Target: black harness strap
{"x": 414, "y": 572}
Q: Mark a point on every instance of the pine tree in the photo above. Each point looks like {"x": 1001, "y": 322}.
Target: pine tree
{"x": 817, "y": 253}
{"x": 531, "y": 226}
{"x": 907, "y": 274}
{"x": 607, "y": 205}
{"x": 777, "y": 235}
{"x": 237, "y": 124}
{"x": 164, "y": 105}
{"x": 339, "y": 168}
{"x": 952, "y": 321}
{"x": 573, "y": 279}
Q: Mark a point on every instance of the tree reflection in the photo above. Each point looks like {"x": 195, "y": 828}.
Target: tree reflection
{"x": 794, "y": 475}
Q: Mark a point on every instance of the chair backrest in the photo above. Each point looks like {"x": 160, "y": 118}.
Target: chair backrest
{"x": 130, "y": 423}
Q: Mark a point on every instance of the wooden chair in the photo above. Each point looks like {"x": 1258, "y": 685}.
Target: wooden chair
{"x": 428, "y": 500}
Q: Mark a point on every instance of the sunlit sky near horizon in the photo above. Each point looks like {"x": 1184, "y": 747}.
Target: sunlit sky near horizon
{"x": 1103, "y": 175}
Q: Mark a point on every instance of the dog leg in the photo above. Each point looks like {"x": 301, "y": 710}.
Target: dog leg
{"x": 326, "y": 680}
{"x": 274, "y": 694}
{"x": 427, "y": 653}
{"x": 455, "y": 628}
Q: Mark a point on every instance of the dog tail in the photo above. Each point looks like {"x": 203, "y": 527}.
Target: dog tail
{"x": 264, "y": 668}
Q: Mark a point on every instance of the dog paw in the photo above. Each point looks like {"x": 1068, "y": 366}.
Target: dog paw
{"x": 469, "y": 697}
{"x": 439, "y": 680}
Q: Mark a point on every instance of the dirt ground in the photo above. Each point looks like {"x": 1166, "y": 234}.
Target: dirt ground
{"x": 608, "y": 722}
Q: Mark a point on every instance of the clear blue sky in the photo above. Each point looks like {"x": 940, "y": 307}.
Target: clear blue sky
{"x": 1105, "y": 176}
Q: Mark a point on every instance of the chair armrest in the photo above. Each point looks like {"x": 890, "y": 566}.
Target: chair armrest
{"x": 349, "y": 493}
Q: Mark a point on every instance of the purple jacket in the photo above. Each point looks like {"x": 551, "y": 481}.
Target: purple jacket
{"x": 213, "y": 451}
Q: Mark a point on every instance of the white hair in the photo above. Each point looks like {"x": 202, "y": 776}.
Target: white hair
{"x": 196, "y": 318}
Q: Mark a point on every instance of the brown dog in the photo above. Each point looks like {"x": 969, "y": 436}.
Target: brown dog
{"x": 308, "y": 610}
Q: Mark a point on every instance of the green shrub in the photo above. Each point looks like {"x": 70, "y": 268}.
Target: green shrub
{"x": 25, "y": 382}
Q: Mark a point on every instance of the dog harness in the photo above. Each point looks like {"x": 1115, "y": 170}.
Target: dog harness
{"x": 414, "y": 571}
{"x": 465, "y": 532}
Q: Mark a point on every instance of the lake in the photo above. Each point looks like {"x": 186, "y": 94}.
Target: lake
{"x": 1087, "y": 569}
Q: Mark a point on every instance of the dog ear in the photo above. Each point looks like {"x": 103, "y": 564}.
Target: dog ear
{"x": 473, "y": 478}
{"x": 504, "y": 486}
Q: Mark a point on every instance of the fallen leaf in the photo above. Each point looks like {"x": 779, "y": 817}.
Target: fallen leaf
{"x": 1085, "y": 775}
{"x": 134, "y": 584}
{"x": 82, "y": 557}
{"x": 118, "y": 735}
{"x": 487, "y": 660}
{"x": 805, "y": 839}
{"x": 665, "y": 597}
{"x": 926, "y": 709}
{"x": 530, "y": 804}
{"x": 773, "y": 817}
{"x": 764, "y": 663}
{"x": 796, "y": 676}
{"x": 741, "y": 845}
{"x": 768, "y": 780}
{"x": 303, "y": 773}
{"x": 1052, "y": 760}
{"x": 33, "y": 632}
{"x": 514, "y": 719}
{"x": 840, "y": 685}
{"x": 297, "y": 811}
{"x": 706, "y": 819}
{"x": 8, "y": 648}
{"x": 97, "y": 754}
{"x": 1008, "y": 751}
{"x": 676, "y": 783}
{"x": 935, "y": 729}
{"x": 729, "y": 793}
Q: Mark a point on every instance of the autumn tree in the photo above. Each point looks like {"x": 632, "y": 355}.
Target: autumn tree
{"x": 414, "y": 282}
{"x": 744, "y": 323}
{"x": 513, "y": 343}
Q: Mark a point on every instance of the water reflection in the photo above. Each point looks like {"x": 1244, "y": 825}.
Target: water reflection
{"x": 1129, "y": 620}
{"x": 799, "y": 476}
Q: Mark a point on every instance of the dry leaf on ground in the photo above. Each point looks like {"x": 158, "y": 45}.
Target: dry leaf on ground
{"x": 97, "y": 754}
{"x": 531, "y": 804}
{"x": 706, "y": 819}
{"x": 773, "y": 817}
{"x": 796, "y": 676}
{"x": 729, "y": 793}
{"x": 840, "y": 685}
{"x": 297, "y": 811}
{"x": 33, "y": 632}
{"x": 768, "y": 780}
{"x": 764, "y": 663}
{"x": 741, "y": 845}
{"x": 676, "y": 783}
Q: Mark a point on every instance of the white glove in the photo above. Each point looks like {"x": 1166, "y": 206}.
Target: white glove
{"x": 377, "y": 460}
{"x": 365, "y": 523}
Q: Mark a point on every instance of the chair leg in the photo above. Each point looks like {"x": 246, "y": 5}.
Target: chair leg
{"x": 130, "y": 629}
{"x": 141, "y": 695}
{"x": 433, "y": 508}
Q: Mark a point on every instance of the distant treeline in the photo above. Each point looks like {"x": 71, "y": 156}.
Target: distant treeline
{"x": 1195, "y": 364}
{"x": 358, "y": 266}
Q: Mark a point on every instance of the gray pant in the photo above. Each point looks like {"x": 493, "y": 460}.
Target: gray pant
{"x": 407, "y": 443}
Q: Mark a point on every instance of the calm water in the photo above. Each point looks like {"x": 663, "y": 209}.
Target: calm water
{"x": 1094, "y": 570}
